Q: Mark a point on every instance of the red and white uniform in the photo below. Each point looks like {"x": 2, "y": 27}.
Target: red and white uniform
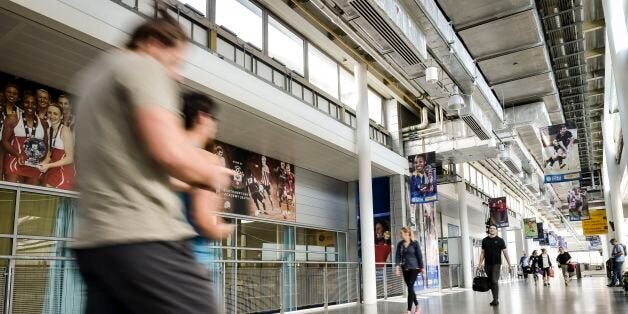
{"x": 21, "y": 134}
{"x": 59, "y": 177}
{"x": 265, "y": 175}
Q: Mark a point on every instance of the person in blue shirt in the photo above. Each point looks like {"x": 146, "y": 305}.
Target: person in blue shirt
{"x": 201, "y": 205}
{"x": 618, "y": 254}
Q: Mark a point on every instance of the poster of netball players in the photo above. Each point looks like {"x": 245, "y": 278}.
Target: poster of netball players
{"x": 423, "y": 178}
{"x": 36, "y": 125}
{"x": 561, "y": 160}
{"x": 262, "y": 186}
{"x": 577, "y": 204}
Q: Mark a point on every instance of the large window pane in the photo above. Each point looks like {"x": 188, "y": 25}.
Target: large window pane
{"x": 259, "y": 235}
{"x": 5, "y": 247}
{"x": 347, "y": 88}
{"x": 315, "y": 245}
{"x": 375, "y": 106}
{"x": 285, "y": 45}
{"x": 37, "y": 247}
{"x": 45, "y": 215}
{"x": 323, "y": 71}
{"x": 243, "y": 18}
{"x": 7, "y": 211}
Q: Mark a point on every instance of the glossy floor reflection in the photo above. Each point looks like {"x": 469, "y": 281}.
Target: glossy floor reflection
{"x": 588, "y": 295}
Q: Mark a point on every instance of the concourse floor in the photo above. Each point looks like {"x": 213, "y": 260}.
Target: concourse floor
{"x": 587, "y": 295}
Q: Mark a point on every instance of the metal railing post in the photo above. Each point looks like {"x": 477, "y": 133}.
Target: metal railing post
{"x": 281, "y": 307}
{"x": 357, "y": 284}
{"x": 451, "y": 283}
{"x": 385, "y": 282}
{"x": 325, "y": 294}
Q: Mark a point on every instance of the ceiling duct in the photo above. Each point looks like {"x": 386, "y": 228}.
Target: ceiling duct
{"x": 389, "y": 42}
{"x": 531, "y": 182}
{"x": 475, "y": 118}
{"x": 509, "y": 159}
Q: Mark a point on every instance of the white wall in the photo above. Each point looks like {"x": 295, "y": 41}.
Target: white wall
{"x": 321, "y": 200}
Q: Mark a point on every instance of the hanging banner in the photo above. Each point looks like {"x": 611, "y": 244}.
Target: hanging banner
{"x": 262, "y": 186}
{"x": 561, "y": 160}
{"x": 551, "y": 238}
{"x": 577, "y": 204}
{"x": 423, "y": 180}
{"x": 540, "y": 234}
{"x": 428, "y": 237}
{"x": 597, "y": 224}
{"x": 530, "y": 228}
{"x": 562, "y": 242}
{"x": 499, "y": 211}
{"x": 595, "y": 242}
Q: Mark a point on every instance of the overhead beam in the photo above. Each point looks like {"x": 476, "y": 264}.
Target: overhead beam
{"x": 594, "y": 53}
{"x": 507, "y": 52}
{"x": 589, "y": 26}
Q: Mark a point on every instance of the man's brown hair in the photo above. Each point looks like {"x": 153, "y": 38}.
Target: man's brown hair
{"x": 163, "y": 27}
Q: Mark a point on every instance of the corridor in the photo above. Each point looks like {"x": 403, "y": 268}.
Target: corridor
{"x": 588, "y": 295}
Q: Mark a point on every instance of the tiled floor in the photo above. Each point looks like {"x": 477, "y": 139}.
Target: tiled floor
{"x": 588, "y": 295}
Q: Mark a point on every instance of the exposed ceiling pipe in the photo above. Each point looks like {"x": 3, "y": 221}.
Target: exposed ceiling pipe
{"x": 424, "y": 123}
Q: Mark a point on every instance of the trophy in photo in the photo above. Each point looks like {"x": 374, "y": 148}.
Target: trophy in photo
{"x": 35, "y": 150}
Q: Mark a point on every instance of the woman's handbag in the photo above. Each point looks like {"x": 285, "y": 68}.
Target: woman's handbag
{"x": 551, "y": 272}
{"x": 481, "y": 282}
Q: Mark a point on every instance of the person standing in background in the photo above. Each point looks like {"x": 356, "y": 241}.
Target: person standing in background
{"x": 132, "y": 238}
{"x": 618, "y": 255}
{"x": 493, "y": 247}
{"x": 68, "y": 115}
{"x": 43, "y": 101}
{"x": 523, "y": 264}
{"x": 58, "y": 166}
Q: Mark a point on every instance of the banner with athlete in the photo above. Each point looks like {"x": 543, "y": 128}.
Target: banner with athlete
{"x": 423, "y": 182}
{"x": 561, "y": 159}
{"x": 262, "y": 186}
{"x": 499, "y": 211}
{"x": 577, "y": 204}
{"x": 530, "y": 228}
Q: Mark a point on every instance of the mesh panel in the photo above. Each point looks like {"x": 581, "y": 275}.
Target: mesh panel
{"x": 3, "y": 284}
{"x": 310, "y": 286}
{"x": 258, "y": 289}
{"x": 47, "y": 287}
{"x": 395, "y": 283}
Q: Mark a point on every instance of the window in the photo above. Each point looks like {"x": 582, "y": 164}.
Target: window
{"x": 7, "y": 205}
{"x": 467, "y": 175}
{"x": 347, "y": 89}
{"x": 472, "y": 174}
{"x": 323, "y": 71}
{"x": 375, "y": 106}
{"x": 285, "y": 46}
{"x": 243, "y": 18}
{"x": 199, "y": 5}
{"x": 45, "y": 215}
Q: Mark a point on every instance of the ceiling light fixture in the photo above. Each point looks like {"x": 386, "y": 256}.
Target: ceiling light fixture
{"x": 455, "y": 102}
{"x": 431, "y": 75}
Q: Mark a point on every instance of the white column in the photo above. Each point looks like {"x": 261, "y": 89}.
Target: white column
{"x": 519, "y": 240}
{"x": 616, "y": 62}
{"x": 465, "y": 237}
{"x": 366, "y": 191}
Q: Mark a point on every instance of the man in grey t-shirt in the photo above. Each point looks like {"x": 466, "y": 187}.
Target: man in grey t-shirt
{"x": 131, "y": 240}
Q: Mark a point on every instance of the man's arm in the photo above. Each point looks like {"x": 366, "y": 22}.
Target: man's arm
{"x": 481, "y": 258}
{"x": 505, "y": 252}
{"x": 162, "y": 134}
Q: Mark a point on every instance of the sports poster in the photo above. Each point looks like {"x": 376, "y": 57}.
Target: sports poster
{"x": 562, "y": 242}
{"x": 30, "y": 103}
{"x": 422, "y": 219}
{"x": 577, "y": 204}
{"x": 423, "y": 182}
{"x": 561, "y": 160}
{"x": 499, "y": 211}
{"x": 530, "y": 228}
{"x": 551, "y": 239}
{"x": 540, "y": 234}
{"x": 262, "y": 186}
{"x": 594, "y": 242}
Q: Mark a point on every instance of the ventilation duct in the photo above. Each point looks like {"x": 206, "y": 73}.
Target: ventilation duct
{"x": 509, "y": 159}
{"x": 475, "y": 118}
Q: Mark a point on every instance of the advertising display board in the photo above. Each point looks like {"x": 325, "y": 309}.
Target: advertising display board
{"x": 530, "y": 228}
{"x": 423, "y": 181}
{"x": 561, "y": 160}
{"x": 498, "y": 211}
{"x": 597, "y": 224}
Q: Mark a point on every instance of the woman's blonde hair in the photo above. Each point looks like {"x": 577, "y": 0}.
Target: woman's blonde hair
{"x": 407, "y": 230}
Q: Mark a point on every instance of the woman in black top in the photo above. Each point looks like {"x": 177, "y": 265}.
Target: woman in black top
{"x": 563, "y": 260}
{"x": 545, "y": 263}
{"x": 408, "y": 258}
{"x": 534, "y": 265}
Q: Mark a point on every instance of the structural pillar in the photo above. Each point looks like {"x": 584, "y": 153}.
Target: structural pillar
{"x": 616, "y": 61}
{"x": 465, "y": 237}
{"x": 369, "y": 288}
{"x": 519, "y": 243}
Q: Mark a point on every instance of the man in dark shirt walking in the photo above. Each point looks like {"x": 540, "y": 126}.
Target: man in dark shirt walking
{"x": 492, "y": 249}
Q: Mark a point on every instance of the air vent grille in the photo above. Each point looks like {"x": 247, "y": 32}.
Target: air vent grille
{"x": 475, "y": 127}
{"x": 371, "y": 15}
